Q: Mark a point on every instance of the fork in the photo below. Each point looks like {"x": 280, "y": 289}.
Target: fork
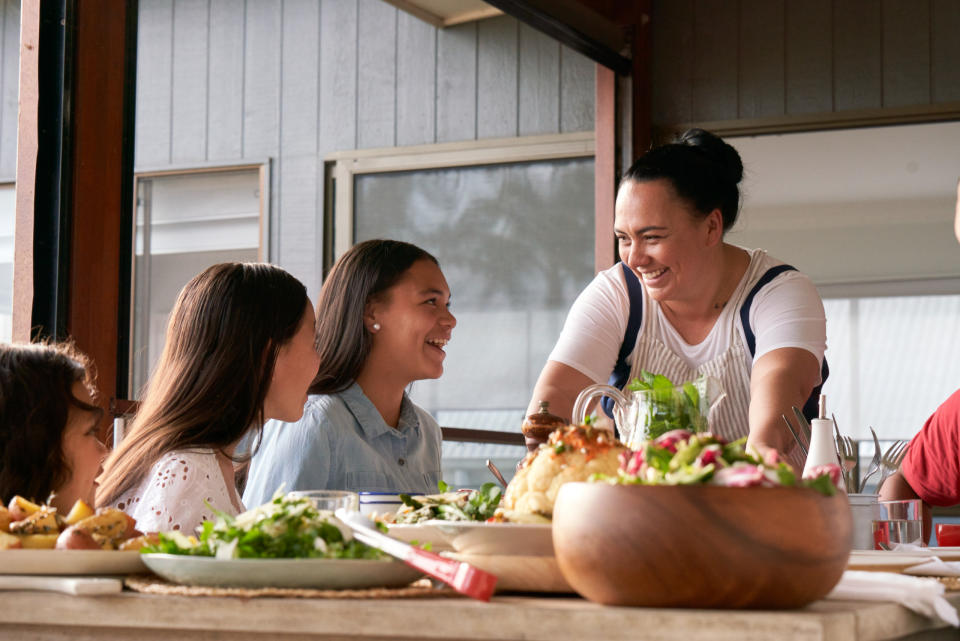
{"x": 874, "y": 462}
{"x": 891, "y": 459}
{"x": 848, "y": 459}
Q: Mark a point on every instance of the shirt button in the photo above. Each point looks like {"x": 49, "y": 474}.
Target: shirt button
{"x": 401, "y": 461}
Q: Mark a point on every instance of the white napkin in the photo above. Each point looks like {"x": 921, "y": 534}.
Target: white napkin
{"x": 935, "y": 567}
{"x": 923, "y": 596}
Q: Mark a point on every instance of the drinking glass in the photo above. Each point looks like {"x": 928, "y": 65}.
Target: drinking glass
{"x": 898, "y": 522}
{"x": 331, "y": 500}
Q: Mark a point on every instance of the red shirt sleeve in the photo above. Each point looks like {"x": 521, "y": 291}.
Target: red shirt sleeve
{"x": 932, "y": 463}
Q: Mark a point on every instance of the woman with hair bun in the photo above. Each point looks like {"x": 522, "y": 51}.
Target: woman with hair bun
{"x": 684, "y": 303}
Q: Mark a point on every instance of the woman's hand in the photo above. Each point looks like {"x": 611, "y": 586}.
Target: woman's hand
{"x": 559, "y": 385}
{"x": 781, "y": 379}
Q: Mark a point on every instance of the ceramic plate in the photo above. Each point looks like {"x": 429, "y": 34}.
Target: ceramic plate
{"x": 504, "y": 539}
{"x": 419, "y": 534}
{"x": 281, "y": 573}
{"x": 65, "y": 562}
{"x": 896, "y": 561}
{"x": 519, "y": 573}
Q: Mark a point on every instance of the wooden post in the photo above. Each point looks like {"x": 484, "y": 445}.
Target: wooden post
{"x": 604, "y": 167}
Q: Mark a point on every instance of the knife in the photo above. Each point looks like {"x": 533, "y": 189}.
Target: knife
{"x": 796, "y": 436}
{"x": 85, "y": 586}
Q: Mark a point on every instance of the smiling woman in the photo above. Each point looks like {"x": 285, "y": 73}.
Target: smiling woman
{"x": 383, "y": 321}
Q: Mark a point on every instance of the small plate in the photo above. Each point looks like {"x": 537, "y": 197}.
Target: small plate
{"x": 281, "y": 573}
{"x": 503, "y": 539}
{"x": 70, "y": 562}
{"x": 895, "y": 561}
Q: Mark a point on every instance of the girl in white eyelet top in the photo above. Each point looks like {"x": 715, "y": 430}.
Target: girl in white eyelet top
{"x": 239, "y": 350}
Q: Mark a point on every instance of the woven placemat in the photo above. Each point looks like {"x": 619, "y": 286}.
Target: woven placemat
{"x": 150, "y": 584}
{"x": 952, "y": 583}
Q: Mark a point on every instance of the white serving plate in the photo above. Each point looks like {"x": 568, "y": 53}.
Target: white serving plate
{"x": 502, "y": 539}
{"x": 281, "y": 573}
{"x": 519, "y": 573}
{"x": 70, "y": 562}
{"x": 420, "y": 534}
{"x": 895, "y": 561}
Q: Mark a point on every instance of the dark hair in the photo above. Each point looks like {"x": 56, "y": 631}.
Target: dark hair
{"x": 703, "y": 169}
{"x": 36, "y": 395}
{"x": 209, "y": 387}
{"x": 361, "y": 275}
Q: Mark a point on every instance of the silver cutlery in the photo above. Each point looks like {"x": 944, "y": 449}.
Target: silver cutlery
{"x": 874, "y": 462}
{"x": 796, "y": 437}
{"x": 848, "y": 459}
{"x": 802, "y": 420}
{"x": 891, "y": 459}
{"x": 496, "y": 472}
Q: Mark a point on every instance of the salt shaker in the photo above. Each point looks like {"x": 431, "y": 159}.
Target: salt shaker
{"x": 822, "y": 447}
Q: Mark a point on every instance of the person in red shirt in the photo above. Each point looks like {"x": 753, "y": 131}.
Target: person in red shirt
{"x": 931, "y": 468}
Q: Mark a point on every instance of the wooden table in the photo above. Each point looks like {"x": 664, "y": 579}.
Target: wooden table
{"x": 43, "y": 615}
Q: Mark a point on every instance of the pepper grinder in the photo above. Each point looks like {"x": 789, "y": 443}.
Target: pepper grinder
{"x": 822, "y": 446}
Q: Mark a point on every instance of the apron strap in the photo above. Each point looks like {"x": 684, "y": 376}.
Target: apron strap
{"x": 810, "y": 408}
{"x": 621, "y": 371}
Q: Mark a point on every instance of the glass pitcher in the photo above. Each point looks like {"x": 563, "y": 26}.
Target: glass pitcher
{"x": 646, "y": 414}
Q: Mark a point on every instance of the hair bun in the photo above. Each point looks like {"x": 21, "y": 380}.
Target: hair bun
{"x": 718, "y": 151}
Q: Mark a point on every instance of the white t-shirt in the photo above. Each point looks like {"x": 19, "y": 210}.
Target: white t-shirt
{"x": 171, "y": 496}
{"x": 786, "y": 312}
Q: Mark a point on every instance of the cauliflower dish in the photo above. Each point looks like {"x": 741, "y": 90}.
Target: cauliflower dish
{"x": 570, "y": 454}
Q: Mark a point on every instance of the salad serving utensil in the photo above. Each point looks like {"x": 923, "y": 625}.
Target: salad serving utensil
{"x": 874, "y": 462}
{"x": 803, "y": 422}
{"x": 796, "y": 437}
{"x": 462, "y": 577}
{"x": 891, "y": 459}
{"x": 496, "y": 472}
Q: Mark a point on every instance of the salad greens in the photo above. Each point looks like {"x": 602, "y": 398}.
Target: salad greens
{"x": 286, "y": 527}
{"x": 468, "y": 505}
{"x": 669, "y": 407}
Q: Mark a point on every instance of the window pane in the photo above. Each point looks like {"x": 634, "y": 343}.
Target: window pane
{"x": 185, "y": 223}
{"x": 515, "y": 243}
{"x": 8, "y": 209}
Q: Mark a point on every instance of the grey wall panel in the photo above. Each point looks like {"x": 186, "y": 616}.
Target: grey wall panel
{"x": 906, "y": 53}
{"x": 9, "y": 85}
{"x": 497, "y": 95}
{"x": 225, "y": 93}
{"x": 577, "y": 75}
{"x": 338, "y": 75}
{"x": 761, "y": 84}
{"x": 809, "y": 52}
{"x": 190, "y": 82}
{"x": 457, "y": 83}
{"x": 262, "y": 73}
{"x": 857, "y": 55}
{"x": 539, "y": 83}
{"x": 154, "y": 67}
{"x": 299, "y": 83}
{"x": 376, "y": 74}
{"x": 416, "y": 81}
{"x": 715, "y": 61}
{"x": 296, "y": 230}
{"x": 945, "y": 50}
{"x": 672, "y": 52}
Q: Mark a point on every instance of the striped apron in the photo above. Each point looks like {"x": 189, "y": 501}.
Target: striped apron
{"x": 730, "y": 418}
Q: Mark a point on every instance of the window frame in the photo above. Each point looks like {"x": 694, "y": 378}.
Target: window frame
{"x": 263, "y": 169}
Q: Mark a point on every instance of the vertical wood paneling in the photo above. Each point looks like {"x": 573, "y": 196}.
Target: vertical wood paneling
{"x": 338, "y": 75}
{"x": 377, "y": 74}
{"x": 539, "y": 82}
{"x": 809, "y": 67}
{"x": 857, "y": 54}
{"x": 298, "y": 87}
{"x": 189, "y": 104}
{"x": 262, "y": 70}
{"x": 576, "y": 91}
{"x": 154, "y": 66}
{"x": 945, "y": 72}
{"x": 298, "y": 218}
{"x": 672, "y": 28}
{"x": 497, "y": 78}
{"x": 457, "y": 83}
{"x": 416, "y": 80}
{"x": 9, "y": 68}
{"x": 906, "y": 52}
{"x": 225, "y": 94}
{"x": 761, "y": 59}
{"x": 715, "y": 61}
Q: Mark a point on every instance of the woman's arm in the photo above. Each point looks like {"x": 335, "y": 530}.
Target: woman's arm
{"x": 781, "y": 379}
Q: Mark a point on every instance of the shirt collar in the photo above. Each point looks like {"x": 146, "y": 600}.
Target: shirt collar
{"x": 369, "y": 418}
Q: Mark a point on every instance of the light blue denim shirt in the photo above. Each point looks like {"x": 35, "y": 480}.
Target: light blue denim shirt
{"x": 342, "y": 443}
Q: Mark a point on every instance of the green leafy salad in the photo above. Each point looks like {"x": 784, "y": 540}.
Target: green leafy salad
{"x": 466, "y": 505}
{"x": 669, "y": 407}
{"x": 286, "y": 527}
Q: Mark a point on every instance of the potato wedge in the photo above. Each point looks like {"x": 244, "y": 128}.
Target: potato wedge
{"x": 39, "y": 541}
{"x": 78, "y": 512}
{"x": 138, "y": 542}
{"x": 73, "y": 538}
{"x": 9, "y": 542}
{"x": 5, "y": 519}
{"x": 108, "y": 522}
{"x": 43, "y": 521}
{"x": 20, "y": 508}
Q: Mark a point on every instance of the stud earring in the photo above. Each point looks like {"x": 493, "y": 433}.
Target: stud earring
{"x": 376, "y": 327}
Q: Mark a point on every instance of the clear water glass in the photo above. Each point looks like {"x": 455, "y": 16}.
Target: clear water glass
{"x": 898, "y": 522}
{"x": 331, "y": 500}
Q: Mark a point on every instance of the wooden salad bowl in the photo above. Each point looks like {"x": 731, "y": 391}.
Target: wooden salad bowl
{"x": 701, "y": 546}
